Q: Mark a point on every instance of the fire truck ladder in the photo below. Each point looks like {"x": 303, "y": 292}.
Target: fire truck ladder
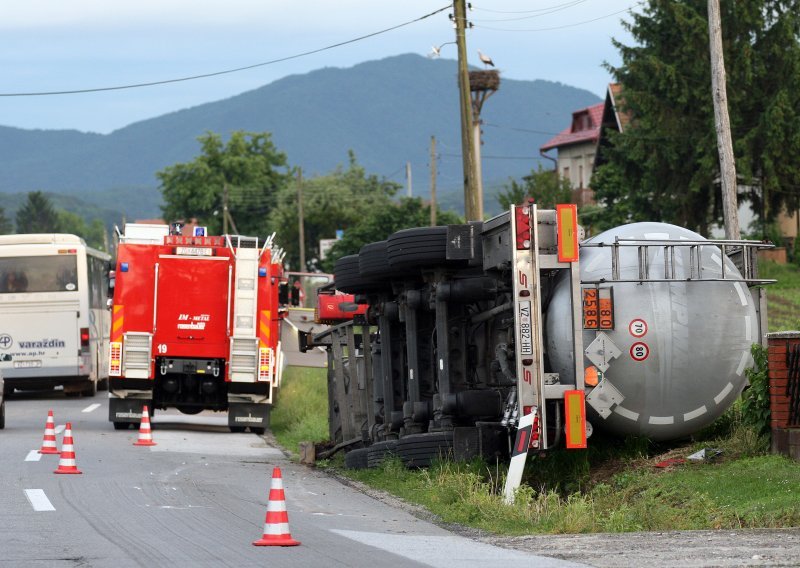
{"x": 244, "y": 359}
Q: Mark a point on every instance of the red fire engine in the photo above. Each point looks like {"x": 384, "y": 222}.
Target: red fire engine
{"x": 195, "y": 326}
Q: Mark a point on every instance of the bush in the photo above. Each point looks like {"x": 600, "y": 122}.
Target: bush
{"x": 755, "y": 400}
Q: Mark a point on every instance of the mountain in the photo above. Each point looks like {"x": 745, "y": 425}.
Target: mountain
{"x": 385, "y": 111}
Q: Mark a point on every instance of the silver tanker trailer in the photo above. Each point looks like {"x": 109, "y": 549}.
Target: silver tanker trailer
{"x": 511, "y": 335}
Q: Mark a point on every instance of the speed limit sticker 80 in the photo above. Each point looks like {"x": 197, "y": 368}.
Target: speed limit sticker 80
{"x": 640, "y": 351}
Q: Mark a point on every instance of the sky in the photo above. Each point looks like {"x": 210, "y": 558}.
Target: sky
{"x": 57, "y": 45}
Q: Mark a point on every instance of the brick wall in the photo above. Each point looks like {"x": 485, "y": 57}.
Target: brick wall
{"x": 785, "y": 424}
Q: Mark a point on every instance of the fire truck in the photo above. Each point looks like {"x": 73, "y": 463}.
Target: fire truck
{"x": 516, "y": 335}
{"x": 195, "y": 326}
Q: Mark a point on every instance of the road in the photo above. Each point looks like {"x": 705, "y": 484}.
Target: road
{"x": 197, "y": 498}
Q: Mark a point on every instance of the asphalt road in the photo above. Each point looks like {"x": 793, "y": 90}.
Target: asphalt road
{"x": 197, "y": 498}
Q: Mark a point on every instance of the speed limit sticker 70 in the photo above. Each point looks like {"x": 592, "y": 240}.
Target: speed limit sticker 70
{"x": 638, "y": 327}
{"x": 639, "y": 351}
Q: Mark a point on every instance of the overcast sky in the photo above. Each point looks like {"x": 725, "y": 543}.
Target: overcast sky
{"x": 56, "y": 45}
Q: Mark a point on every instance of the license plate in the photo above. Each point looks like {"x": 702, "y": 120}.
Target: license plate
{"x": 194, "y": 251}
{"x": 27, "y": 364}
{"x": 525, "y": 328}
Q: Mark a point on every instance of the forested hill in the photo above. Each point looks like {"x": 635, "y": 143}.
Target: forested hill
{"x": 386, "y": 111}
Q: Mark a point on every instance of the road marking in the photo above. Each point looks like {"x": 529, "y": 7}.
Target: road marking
{"x": 91, "y": 407}
{"x": 60, "y": 428}
{"x": 448, "y": 551}
{"x": 39, "y": 500}
{"x": 33, "y": 456}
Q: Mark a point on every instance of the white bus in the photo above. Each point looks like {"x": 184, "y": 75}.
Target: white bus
{"x": 54, "y": 319}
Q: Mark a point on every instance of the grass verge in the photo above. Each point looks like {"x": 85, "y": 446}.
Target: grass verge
{"x": 614, "y": 486}
{"x": 300, "y": 412}
{"x": 783, "y": 297}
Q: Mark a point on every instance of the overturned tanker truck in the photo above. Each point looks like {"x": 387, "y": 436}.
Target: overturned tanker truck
{"x": 511, "y": 335}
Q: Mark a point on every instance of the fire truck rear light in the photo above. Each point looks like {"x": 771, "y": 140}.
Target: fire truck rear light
{"x": 265, "y": 364}
{"x": 526, "y": 410}
{"x": 115, "y": 359}
{"x": 262, "y": 272}
{"x": 84, "y": 338}
{"x": 123, "y": 267}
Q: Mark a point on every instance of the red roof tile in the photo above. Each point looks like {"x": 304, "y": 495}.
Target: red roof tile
{"x": 579, "y": 131}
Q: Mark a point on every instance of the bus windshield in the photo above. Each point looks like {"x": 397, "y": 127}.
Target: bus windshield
{"x": 56, "y": 273}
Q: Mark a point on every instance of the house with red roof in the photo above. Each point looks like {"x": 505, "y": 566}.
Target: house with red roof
{"x": 576, "y": 146}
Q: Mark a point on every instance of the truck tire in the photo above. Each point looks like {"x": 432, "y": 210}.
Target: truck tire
{"x": 2, "y": 415}
{"x": 348, "y": 279}
{"x": 379, "y": 451}
{"x": 373, "y": 261}
{"x": 356, "y": 459}
{"x": 419, "y": 247}
{"x": 122, "y": 425}
{"x": 421, "y": 450}
{"x": 91, "y": 389}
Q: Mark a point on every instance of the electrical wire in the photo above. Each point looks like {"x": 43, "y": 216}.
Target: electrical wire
{"x": 521, "y": 11}
{"x": 226, "y": 71}
{"x": 628, "y": 9}
{"x": 537, "y": 158}
{"x": 540, "y": 14}
{"x": 520, "y": 129}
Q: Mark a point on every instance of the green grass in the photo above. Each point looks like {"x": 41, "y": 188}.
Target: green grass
{"x": 614, "y": 486}
{"x": 301, "y": 407}
{"x": 783, "y": 297}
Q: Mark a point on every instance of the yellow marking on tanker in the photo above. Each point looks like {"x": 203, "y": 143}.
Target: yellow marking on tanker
{"x": 567, "y": 232}
{"x": 575, "y": 419}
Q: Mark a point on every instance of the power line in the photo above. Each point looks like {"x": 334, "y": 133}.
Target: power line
{"x": 628, "y": 9}
{"x": 520, "y": 129}
{"x": 226, "y": 71}
{"x": 539, "y": 14}
{"x": 522, "y": 11}
{"x": 497, "y": 157}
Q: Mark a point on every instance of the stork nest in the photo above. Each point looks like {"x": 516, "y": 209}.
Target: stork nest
{"x": 488, "y": 80}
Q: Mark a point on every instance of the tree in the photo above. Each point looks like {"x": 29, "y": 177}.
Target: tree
{"x": 380, "y": 222}
{"x": 93, "y": 233}
{"x": 37, "y": 215}
{"x": 337, "y": 201}
{"x": 665, "y": 165}
{"x": 546, "y": 188}
{"x": 248, "y": 168}
{"x": 6, "y": 228}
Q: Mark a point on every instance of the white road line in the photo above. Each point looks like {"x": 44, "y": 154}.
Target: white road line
{"x": 33, "y": 456}
{"x": 91, "y": 407}
{"x": 60, "y": 428}
{"x": 39, "y": 500}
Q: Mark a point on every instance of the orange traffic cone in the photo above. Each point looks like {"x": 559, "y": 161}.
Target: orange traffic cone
{"x": 67, "y": 462}
{"x": 276, "y": 525}
{"x": 49, "y": 441}
{"x": 145, "y": 434}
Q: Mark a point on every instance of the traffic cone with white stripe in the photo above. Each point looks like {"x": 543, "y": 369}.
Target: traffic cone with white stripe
{"x": 145, "y": 433}
{"x": 49, "y": 441}
{"x": 67, "y": 462}
{"x": 276, "y": 524}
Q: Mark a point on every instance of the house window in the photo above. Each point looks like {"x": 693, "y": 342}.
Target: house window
{"x": 565, "y": 173}
{"x": 580, "y": 176}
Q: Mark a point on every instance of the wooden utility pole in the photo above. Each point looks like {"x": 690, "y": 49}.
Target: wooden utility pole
{"x": 471, "y": 206}
{"x": 301, "y": 231}
{"x": 409, "y": 190}
{"x": 727, "y": 165}
{"x": 433, "y": 181}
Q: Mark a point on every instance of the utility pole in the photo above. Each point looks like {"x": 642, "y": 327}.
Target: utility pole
{"x": 471, "y": 205}
{"x": 409, "y": 191}
{"x": 300, "y": 224}
{"x": 433, "y": 181}
{"x": 727, "y": 166}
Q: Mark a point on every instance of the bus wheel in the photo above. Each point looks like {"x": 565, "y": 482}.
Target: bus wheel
{"x": 91, "y": 389}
